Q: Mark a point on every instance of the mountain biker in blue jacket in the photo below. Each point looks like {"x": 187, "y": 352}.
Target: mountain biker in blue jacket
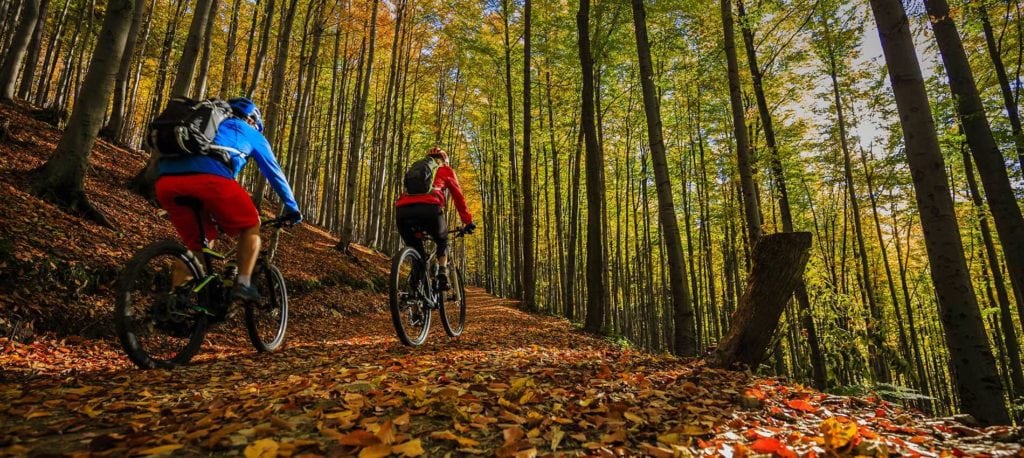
{"x": 212, "y": 182}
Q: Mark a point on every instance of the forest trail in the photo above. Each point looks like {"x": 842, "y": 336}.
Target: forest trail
{"x": 515, "y": 384}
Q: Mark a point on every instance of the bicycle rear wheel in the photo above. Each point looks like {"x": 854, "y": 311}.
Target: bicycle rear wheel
{"x": 453, "y": 307}
{"x": 268, "y": 320}
{"x": 160, "y": 325}
{"x": 409, "y": 311}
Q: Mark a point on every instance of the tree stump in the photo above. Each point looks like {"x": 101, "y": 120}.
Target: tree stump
{"x": 778, "y": 266}
{"x": 5, "y": 129}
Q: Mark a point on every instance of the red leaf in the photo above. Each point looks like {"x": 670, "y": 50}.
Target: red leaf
{"x": 766, "y": 445}
{"x": 801, "y": 405}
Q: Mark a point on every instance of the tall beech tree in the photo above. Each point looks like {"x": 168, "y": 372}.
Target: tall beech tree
{"x": 596, "y": 289}
{"x": 973, "y": 365}
{"x": 62, "y": 177}
{"x": 684, "y": 340}
{"x": 17, "y": 48}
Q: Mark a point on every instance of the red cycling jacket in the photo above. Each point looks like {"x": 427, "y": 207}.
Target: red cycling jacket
{"x": 444, "y": 180}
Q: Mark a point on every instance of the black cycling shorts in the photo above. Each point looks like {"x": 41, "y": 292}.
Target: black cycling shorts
{"x": 423, "y": 217}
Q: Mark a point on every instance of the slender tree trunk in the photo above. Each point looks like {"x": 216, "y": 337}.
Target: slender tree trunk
{"x": 199, "y": 88}
{"x": 751, "y": 207}
{"x": 356, "y": 134}
{"x": 16, "y": 52}
{"x": 874, "y": 322}
{"x": 529, "y": 275}
{"x": 274, "y": 108}
{"x": 517, "y": 229}
{"x": 596, "y": 295}
{"x": 190, "y": 54}
{"x": 973, "y": 366}
{"x": 998, "y": 192}
{"x": 1009, "y": 102}
{"x": 685, "y": 339}
{"x": 230, "y": 58}
{"x": 118, "y": 111}
{"x": 28, "y": 74}
{"x": 1009, "y": 334}
{"x": 62, "y": 177}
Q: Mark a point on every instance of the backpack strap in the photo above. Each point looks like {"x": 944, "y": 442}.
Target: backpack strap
{"x": 223, "y": 153}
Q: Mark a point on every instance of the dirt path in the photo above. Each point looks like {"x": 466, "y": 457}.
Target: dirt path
{"x": 514, "y": 384}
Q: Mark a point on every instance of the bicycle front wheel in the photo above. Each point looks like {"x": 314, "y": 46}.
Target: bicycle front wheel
{"x": 267, "y": 321}
{"x": 409, "y": 311}
{"x": 160, "y": 324}
{"x": 453, "y": 307}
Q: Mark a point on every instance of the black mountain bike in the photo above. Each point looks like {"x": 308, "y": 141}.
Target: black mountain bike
{"x": 415, "y": 292}
{"x": 163, "y": 325}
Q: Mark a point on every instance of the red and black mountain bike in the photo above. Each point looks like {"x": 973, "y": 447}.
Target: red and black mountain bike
{"x": 415, "y": 292}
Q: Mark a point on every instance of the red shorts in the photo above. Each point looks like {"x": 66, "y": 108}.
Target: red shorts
{"x": 224, "y": 201}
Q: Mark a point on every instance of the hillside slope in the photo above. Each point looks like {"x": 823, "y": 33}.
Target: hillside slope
{"x": 56, "y": 270}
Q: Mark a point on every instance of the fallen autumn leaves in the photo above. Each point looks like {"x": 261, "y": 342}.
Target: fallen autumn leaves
{"x": 515, "y": 385}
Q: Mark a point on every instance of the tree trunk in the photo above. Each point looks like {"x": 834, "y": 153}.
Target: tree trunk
{"x": 16, "y": 53}
{"x": 1009, "y": 334}
{"x": 118, "y": 110}
{"x": 1009, "y": 102}
{"x": 529, "y": 276}
{"x": 355, "y": 144}
{"x": 751, "y": 206}
{"x": 273, "y": 109}
{"x": 684, "y": 340}
{"x": 998, "y": 192}
{"x": 595, "y": 188}
{"x": 190, "y": 54}
{"x": 778, "y": 266}
{"x": 517, "y": 228}
{"x": 973, "y": 366}
{"x": 199, "y": 88}
{"x": 28, "y": 75}
{"x": 229, "y": 51}
{"x": 261, "y": 53}
{"x": 62, "y": 178}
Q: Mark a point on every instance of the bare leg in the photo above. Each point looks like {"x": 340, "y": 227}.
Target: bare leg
{"x": 248, "y": 250}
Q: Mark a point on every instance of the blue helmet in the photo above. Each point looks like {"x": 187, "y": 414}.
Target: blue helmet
{"x": 246, "y": 109}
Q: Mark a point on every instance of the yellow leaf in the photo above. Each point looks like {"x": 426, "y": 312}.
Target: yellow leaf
{"x": 448, "y": 435}
{"x": 37, "y": 414}
{"x": 263, "y": 448}
{"x": 386, "y": 433}
{"x": 376, "y": 451}
{"x": 402, "y": 419}
{"x": 526, "y": 397}
{"x": 411, "y": 448}
{"x": 556, "y": 438}
{"x": 160, "y": 450}
{"x": 634, "y": 418}
{"x": 669, "y": 439}
{"x": 838, "y": 434}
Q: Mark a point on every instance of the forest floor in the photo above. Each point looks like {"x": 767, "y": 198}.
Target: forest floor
{"x": 514, "y": 384}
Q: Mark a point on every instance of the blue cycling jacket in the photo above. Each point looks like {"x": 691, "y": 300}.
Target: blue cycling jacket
{"x": 236, "y": 134}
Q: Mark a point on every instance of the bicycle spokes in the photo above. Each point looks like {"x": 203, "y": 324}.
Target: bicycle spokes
{"x": 409, "y": 298}
{"x": 159, "y": 312}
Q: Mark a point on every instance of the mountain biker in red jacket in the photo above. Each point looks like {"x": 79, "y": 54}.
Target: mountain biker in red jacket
{"x": 426, "y": 212}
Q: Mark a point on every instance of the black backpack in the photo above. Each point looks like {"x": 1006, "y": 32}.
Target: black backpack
{"x": 419, "y": 179}
{"x": 187, "y": 128}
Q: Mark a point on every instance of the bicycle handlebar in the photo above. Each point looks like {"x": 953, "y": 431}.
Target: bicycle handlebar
{"x": 459, "y": 232}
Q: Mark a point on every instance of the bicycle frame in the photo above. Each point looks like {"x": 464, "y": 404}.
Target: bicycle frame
{"x": 209, "y": 254}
